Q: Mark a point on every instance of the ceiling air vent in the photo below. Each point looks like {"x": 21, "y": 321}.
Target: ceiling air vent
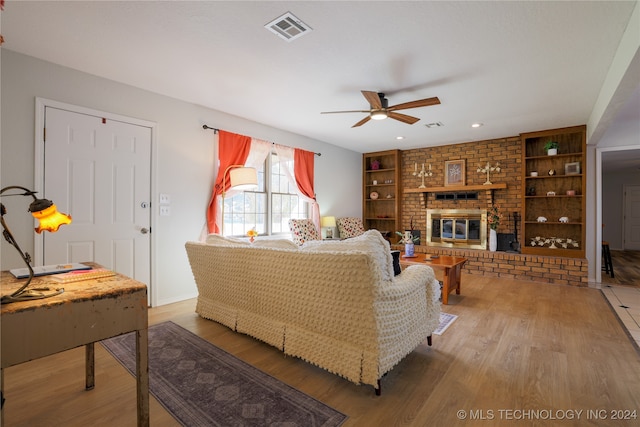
{"x": 434, "y": 125}
{"x": 288, "y": 27}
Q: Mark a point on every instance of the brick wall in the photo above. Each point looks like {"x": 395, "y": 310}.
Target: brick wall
{"x": 507, "y": 151}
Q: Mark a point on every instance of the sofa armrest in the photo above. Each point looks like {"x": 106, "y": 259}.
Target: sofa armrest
{"x": 422, "y": 275}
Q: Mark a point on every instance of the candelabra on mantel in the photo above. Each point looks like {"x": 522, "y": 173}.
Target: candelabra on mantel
{"x": 423, "y": 172}
{"x": 488, "y": 169}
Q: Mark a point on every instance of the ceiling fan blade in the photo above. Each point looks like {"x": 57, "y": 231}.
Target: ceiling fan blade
{"x": 349, "y": 111}
{"x": 361, "y": 122}
{"x": 373, "y": 98}
{"x": 402, "y": 117}
{"x": 415, "y": 104}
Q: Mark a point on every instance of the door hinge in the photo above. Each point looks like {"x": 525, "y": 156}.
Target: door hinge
{"x": 44, "y": 134}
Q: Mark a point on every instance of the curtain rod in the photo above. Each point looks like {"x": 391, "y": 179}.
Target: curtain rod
{"x": 215, "y": 130}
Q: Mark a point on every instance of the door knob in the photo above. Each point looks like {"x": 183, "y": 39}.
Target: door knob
{"x": 144, "y": 230}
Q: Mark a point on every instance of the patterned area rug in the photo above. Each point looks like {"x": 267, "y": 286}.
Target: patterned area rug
{"x": 446, "y": 320}
{"x": 202, "y": 385}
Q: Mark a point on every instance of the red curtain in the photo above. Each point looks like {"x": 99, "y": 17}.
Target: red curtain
{"x": 233, "y": 149}
{"x": 303, "y": 166}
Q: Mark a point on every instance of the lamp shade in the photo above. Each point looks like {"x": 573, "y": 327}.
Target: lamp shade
{"x": 328, "y": 221}
{"x": 48, "y": 215}
{"x": 243, "y": 178}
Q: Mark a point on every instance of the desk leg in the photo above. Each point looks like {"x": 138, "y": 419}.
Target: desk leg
{"x": 90, "y": 366}
{"x": 142, "y": 377}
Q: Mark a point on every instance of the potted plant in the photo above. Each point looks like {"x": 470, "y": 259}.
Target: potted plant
{"x": 551, "y": 147}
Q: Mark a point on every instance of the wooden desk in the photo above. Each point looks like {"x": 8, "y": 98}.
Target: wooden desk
{"x": 87, "y": 311}
{"x": 452, "y": 274}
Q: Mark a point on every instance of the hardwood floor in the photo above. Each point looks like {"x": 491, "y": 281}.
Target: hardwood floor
{"x": 626, "y": 269}
{"x": 516, "y": 346}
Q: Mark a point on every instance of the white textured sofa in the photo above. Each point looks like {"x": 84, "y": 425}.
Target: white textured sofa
{"x": 336, "y": 304}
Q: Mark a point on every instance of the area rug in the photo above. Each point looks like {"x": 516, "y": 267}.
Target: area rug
{"x": 203, "y": 385}
{"x": 446, "y": 320}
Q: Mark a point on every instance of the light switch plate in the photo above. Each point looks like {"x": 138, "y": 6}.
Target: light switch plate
{"x": 165, "y": 210}
{"x": 165, "y": 199}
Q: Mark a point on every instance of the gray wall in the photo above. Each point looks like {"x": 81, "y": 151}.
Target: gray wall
{"x": 612, "y": 204}
{"x": 184, "y": 156}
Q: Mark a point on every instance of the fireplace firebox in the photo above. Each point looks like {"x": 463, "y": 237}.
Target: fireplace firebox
{"x": 457, "y": 228}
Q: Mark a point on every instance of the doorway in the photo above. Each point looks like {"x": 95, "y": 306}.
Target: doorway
{"x": 97, "y": 167}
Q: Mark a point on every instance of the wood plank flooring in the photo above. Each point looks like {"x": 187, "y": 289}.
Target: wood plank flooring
{"x": 516, "y": 346}
{"x": 626, "y": 269}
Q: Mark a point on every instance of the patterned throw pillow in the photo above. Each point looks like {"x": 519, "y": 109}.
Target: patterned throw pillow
{"x": 350, "y": 227}
{"x": 303, "y": 230}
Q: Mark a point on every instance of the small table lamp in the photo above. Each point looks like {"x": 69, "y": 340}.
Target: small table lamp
{"x": 328, "y": 222}
{"x": 50, "y": 220}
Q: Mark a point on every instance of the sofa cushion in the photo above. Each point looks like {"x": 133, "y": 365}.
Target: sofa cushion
{"x": 350, "y": 227}
{"x": 217, "y": 239}
{"x": 370, "y": 242}
{"x": 303, "y": 230}
{"x": 275, "y": 243}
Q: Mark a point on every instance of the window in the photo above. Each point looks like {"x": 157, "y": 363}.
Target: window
{"x": 269, "y": 207}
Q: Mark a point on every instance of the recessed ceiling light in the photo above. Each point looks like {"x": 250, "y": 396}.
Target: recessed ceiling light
{"x": 476, "y": 125}
{"x": 399, "y": 137}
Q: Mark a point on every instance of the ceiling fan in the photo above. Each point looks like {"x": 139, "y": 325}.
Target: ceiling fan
{"x": 380, "y": 108}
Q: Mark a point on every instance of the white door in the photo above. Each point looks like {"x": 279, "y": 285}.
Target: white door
{"x": 631, "y": 217}
{"x": 99, "y": 171}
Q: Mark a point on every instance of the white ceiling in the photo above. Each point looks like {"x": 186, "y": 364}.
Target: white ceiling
{"x": 513, "y": 66}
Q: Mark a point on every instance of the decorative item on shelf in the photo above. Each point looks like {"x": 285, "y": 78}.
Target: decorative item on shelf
{"x": 50, "y": 219}
{"x": 493, "y": 219}
{"x": 551, "y": 172}
{"x": 389, "y": 196}
{"x": 423, "y": 172}
{"x": 375, "y": 182}
{"x": 531, "y": 191}
{"x": 454, "y": 172}
{"x": 541, "y": 219}
{"x": 252, "y": 234}
{"x": 374, "y": 195}
{"x": 534, "y": 173}
{"x": 488, "y": 169}
{"x": 375, "y": 165}
{"x": 571, "y": 192}
{"x": 572, "y": 168}
{"x": 551, "y": 147}
{"x": 564, "y": 219}
{"x": 551, "y": 193}
{"x": 551, "y": 242}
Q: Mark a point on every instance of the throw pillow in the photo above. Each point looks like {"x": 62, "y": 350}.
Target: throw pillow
{"x": 396, "y": 262}
{"x": 303, "y": 230}
{"x": 350, "y": 227}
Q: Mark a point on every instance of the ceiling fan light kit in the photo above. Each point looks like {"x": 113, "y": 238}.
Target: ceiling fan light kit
{"x": 378, "y": 115}
{"x": 379, "y": 109}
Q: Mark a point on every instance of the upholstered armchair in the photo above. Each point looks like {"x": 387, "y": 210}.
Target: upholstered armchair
{"x": 303, "y": 230}
{"x": 350, "y": 227}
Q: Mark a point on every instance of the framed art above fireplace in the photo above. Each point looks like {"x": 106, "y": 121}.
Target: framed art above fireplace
{"x": 454, "y": 173}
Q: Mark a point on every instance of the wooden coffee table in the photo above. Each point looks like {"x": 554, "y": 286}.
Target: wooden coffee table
{"x": 451, "y": 266}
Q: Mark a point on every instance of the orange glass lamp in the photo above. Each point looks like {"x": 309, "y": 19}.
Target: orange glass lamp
{"x": 50, "y": 220}
{"x": 240, "y": 178}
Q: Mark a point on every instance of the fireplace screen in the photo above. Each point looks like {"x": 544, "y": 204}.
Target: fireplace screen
{"x": 457, "y": 228}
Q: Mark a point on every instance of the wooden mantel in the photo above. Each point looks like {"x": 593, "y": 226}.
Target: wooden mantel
{"x": 453, "y": 189}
